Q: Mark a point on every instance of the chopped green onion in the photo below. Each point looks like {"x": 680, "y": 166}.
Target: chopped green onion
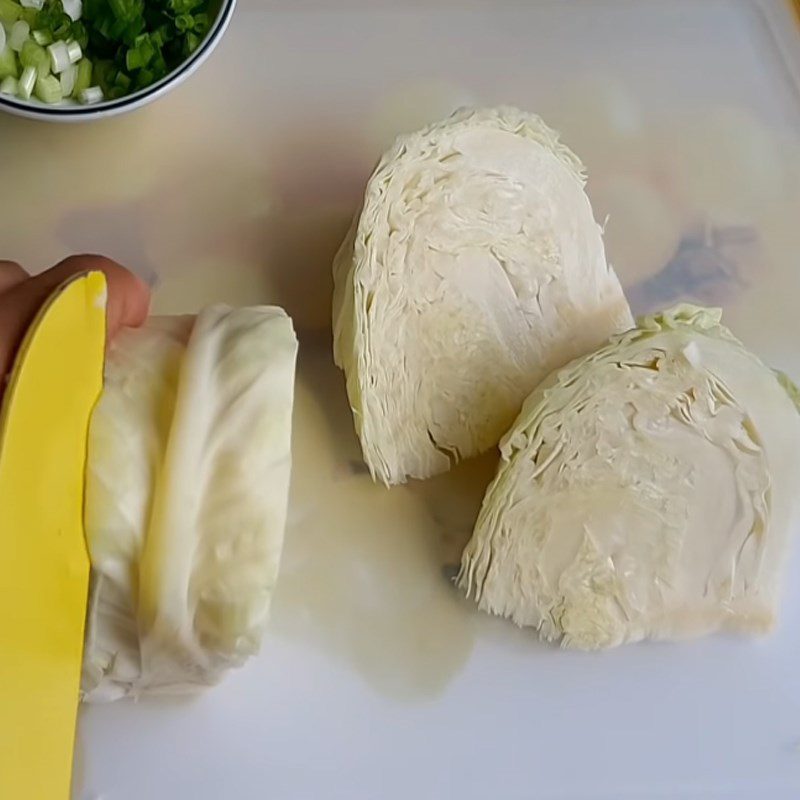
{"x": 141, "y": 54}
{"x": 59, "y": 56}
{"x": 42, "y": 37}
{"x": 10, "y": 11}
{"x": 73, "y": 9}
{"x": 94, "y": 94}
{"x": 37, "y": 4}
{"x": 67, "y": 79}
{"x": 133, "y": 59}
{"x": 103, "y": 73}
{"x": 124, "y": 9}
{"x": 9, "y": 85}
{"x": 191, "y": 43}
{"x": 8, "y": 63}
{"x": 183, "y": 6}
{"x": 80, "y": 35}
{"x": 48, "y": 89}
{"x": 54, "y": 21}
{"x": 34, "y": 55}
{"x": 74, "y": 51}
{"x": 26, "y": 83}
{"x": 18, "y": 35}
{"x": 83, "y": 78}
{"x": 2, "y": 37}
{"x": 200, "y": 24}
{"x": 161, "y": 36}
{"x": 144, "y": 77}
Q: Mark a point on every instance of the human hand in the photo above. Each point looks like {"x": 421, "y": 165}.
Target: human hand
{"x": 22, "y": 295}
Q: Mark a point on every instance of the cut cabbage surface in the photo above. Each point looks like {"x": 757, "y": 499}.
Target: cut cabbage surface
{"x": 645, "y": 491}
{"x": 474, "y": 267}
{"x": 186, "y": 496}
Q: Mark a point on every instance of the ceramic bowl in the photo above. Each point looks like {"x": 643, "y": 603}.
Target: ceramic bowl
{"x": 71, "y": 111}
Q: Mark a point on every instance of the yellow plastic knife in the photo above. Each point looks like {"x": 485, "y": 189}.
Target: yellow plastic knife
{"x": 44, "y": 565}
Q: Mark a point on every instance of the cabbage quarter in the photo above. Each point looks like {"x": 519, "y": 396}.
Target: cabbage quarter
{"x": 646, "y": 491}
{"x": 474, "y": 268}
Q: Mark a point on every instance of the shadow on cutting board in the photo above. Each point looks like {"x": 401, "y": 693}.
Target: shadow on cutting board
{"x": 361, "y": 576}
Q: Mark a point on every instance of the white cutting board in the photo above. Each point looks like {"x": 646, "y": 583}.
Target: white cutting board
{"x": 375, "y": 680}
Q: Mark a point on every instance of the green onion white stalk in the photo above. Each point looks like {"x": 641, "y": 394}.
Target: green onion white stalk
{"x": 94, "y": 94}
{"x": 18, "y": 35}
{"x": 67, "y": 80}
{"x": 26, "y": 83}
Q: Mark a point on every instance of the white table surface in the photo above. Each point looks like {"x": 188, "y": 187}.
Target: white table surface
{"x": 375, "y": 680}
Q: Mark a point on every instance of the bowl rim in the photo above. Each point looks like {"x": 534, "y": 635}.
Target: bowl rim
{"x": 135, "y": 99}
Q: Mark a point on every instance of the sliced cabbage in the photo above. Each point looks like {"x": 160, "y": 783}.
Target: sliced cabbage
{"x": 645, "y": 491}
{"x": 474, "y": 268}
{"x": 187, "y": 486}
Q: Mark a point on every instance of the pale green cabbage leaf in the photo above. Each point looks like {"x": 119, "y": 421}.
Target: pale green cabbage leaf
{"x": 187, "y": 486}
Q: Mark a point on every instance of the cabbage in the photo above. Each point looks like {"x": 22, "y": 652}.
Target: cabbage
{"x": 186, "y": 495}
{"x": 647, "y": 490}
{"x": 474, "y": 267}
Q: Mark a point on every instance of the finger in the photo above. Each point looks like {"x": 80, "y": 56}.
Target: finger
{"x": 128, "y": 300}
{"x": 128, "y": 296}
{"x": 11, "y": 274}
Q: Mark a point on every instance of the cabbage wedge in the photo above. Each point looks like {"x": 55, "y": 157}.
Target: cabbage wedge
{"x": 474, "y": 267}
{"x": 647, "y": 490}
